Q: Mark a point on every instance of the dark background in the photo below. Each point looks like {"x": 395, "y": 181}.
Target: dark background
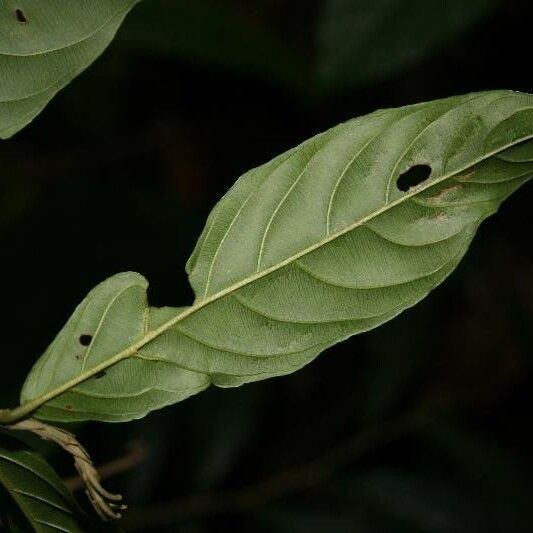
{"x": 422, "y": 425}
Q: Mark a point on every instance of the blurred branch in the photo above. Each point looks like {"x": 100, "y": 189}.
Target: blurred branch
{"x": 315, "y": 472}
{"x": 281, "y": 484}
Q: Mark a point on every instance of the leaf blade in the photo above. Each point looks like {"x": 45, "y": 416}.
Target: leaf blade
{"x": 42, "y": 55}
{"x": 36, "y": 490}
{"x": 282, "y": 271}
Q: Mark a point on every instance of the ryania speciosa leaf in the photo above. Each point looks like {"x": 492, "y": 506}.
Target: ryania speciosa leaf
{"x": 326, "y": 241}
{"x": 44, "y": 44}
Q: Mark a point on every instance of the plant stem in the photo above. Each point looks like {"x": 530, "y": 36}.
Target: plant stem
{"x": 105, "y": 503}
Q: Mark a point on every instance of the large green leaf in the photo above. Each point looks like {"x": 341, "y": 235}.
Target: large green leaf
{"x": 303, "y": 252}
{"x": 362, "y": 41}
{"x": 33, "y": 496}
{"x": 44, "y": 44}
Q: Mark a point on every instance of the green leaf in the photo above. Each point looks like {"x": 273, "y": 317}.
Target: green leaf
{"x": 34, "y": 498}
{"x": 112, "y": 318}
{"x": 44, "y": 45}
{"x": 363, "y": 41}
{"x": 303, "y": 252}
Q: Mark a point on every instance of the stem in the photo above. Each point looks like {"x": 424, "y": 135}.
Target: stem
{"x": 137, "y": 454}
{"x": 105, "y": 503}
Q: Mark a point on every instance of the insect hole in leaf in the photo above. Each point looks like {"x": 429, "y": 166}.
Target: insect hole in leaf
{"x": 414, "y": 176}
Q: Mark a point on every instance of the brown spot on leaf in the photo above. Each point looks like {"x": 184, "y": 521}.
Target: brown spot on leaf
{"x": 68, "y": 407}
{"x": 441, "y": 196}
{"x": 440, "y": 217}
{"x": 466, "y": 176}
{"x": 21, "y": 17}
{"x": 100, "y": 375}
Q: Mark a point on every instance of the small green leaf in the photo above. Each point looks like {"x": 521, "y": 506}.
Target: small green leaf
{"x": 34, "y": 498}
{"x": 326, "y": 241}
{"x": 44, "y": 45}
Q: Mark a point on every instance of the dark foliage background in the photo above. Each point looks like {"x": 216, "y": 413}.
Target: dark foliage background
{"x": 420, "y": 426}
